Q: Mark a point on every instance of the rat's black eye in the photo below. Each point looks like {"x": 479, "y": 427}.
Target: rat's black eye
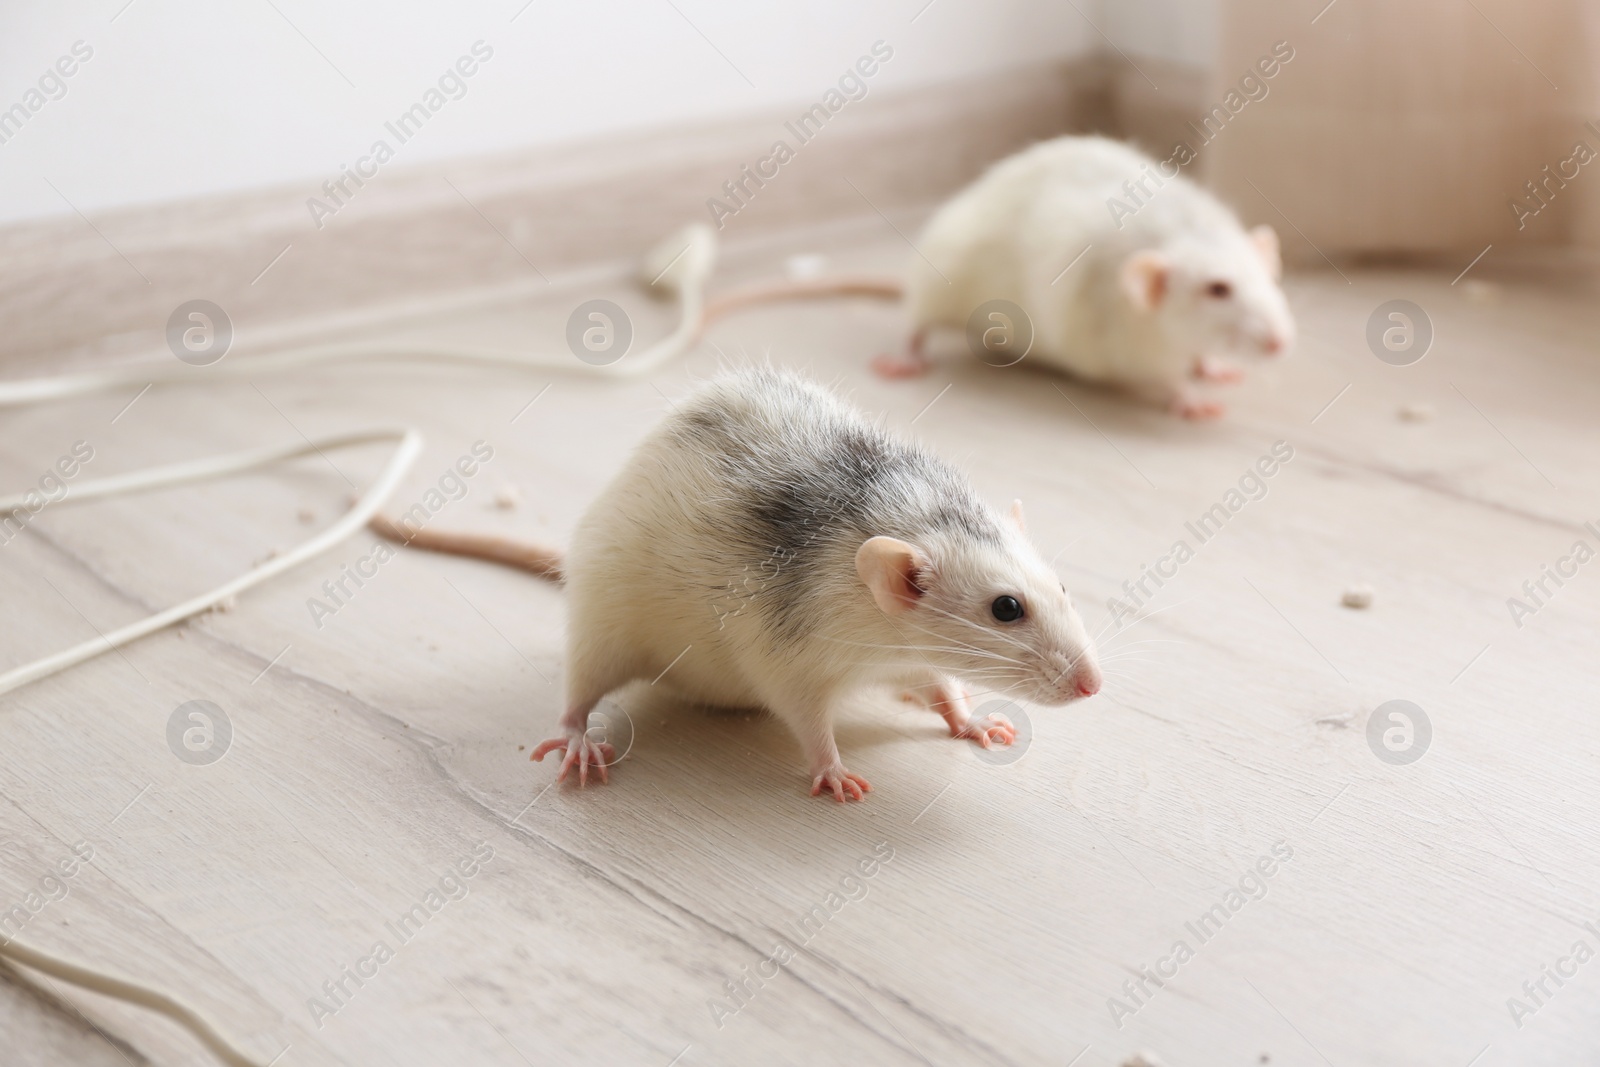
{"x": 1006, "y": 608}
{"x": 1219, "y": 290}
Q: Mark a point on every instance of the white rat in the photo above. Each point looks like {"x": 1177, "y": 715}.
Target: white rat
{"x": 766, "y": 546}
{"x": 1168, "y": 287}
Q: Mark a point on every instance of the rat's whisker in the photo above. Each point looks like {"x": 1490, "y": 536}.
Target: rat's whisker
{"x": 980, "y": 627}
{"x": 1141, "y": 619}
{"x": 1148, "y": 641}
{"x": 945, "y": 637}
{"x": 960, "y": 650}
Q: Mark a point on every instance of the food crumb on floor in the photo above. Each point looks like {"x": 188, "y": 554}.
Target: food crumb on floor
{"x": 805, "y": 266}
{"x": 1417, "y": 411}
{"x": 1357, "y": 596}
{"x": 1143, "y": 1059}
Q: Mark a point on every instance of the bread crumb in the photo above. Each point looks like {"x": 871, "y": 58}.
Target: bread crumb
{"x": 805, "y": 266}
{"x": 306, "y": 516}
{"x": 227, "y": 603}
{"x": 507, "y": 497}
{"x": 1357, "y": 596}
{"x": 1417, "y": 412}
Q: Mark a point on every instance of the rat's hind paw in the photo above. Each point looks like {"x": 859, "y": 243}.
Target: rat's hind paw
{"x": 1196, "y": 408}
{"x": 898, "y": 365}
{"x": 987, "y": 731}
{"x": 841, "y": 783}
{"x": 580, "y": 750}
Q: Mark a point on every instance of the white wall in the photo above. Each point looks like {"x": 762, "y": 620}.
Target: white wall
{"x": 1183, "y": 31}
{"x": 188, "y": 97}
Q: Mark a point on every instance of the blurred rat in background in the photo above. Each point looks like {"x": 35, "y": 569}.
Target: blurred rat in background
{"x": 1130, "y": 273}
{"x": 1126, "y": 273}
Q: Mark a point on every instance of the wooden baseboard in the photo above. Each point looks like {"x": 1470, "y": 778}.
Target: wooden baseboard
{"x": 74, "y": 288}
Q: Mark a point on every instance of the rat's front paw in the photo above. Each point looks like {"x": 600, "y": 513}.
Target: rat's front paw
{"x": 841, "y": 783}
{"x": 1214, "y": 369}
{"x": 987, "y": 731}
{"x": 580, "y": 750}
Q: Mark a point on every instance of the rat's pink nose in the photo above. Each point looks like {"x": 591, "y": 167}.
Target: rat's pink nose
{"x": 1087, "y": 680}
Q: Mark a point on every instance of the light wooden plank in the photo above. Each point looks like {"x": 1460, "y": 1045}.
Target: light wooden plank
{"x": 385, "y": 746}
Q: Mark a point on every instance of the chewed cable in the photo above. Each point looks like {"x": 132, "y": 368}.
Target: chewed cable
{"x": 681, "y": 264}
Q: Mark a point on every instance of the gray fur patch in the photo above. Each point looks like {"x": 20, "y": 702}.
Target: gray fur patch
{"x": 806, "y": 477}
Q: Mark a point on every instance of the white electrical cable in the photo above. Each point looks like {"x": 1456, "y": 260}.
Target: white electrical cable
{"x": 133, "y": 993}
{"x": 681, "y": 264}
{"x": 408, "y": 447}
{"x": 410, "y": 444}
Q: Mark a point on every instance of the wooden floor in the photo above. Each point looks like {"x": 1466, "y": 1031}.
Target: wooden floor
{"x": 379, "y": 752}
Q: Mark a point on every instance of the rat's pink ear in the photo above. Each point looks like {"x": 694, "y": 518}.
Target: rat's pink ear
{"x": 1016, "y": 516}
{"x": 892, "y": 570}
{"x": 1265, "y": 238}
{"x": 1144, "y": 279}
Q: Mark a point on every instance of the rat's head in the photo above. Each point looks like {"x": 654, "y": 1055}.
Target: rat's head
{"x": 989, "y": 609}
{"x": 1215, "y": 294}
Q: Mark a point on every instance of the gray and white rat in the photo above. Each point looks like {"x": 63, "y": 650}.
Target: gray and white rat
{"x": 767, "y": 546}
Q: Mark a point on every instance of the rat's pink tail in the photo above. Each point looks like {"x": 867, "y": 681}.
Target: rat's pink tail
{"x": 811, "y": 289}
{"x": 541, "y": 560}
